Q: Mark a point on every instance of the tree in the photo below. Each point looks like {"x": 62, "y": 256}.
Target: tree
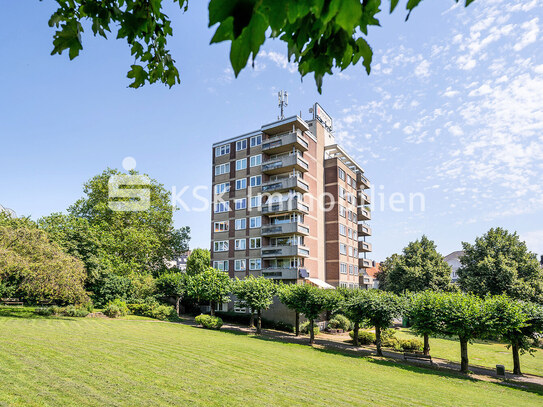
{"x": 290, "y": 296}
{"x": 210, "y": 285}
{"x": 423, "y": 314}
{"x": 172, "y": 285}
{"x": 198, "y": 261}
{"x": 256, "y": 293}
{"x": 465, "y": 316}
{"x": 516, "y": 322}
{"x": 420, "y": 267}
{"x": 35, "y": 268}
{"x": 499, "y": 263}
{"x": 320, "y": 35}
{"x": 352, "y": 307}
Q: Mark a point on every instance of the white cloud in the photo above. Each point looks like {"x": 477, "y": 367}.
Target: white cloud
{"x": 531, "y": 29}
{"x": 423, "y": 69}
{"x": 279, "y": 60}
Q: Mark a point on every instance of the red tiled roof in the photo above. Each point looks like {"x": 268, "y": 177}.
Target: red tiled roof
{"x": 372, "y": 271}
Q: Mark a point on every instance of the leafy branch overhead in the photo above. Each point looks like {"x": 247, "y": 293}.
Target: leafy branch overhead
{"x": 320, "y": 34}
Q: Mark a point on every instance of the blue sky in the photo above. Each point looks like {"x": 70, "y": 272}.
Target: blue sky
{"x": 453, "y": 109}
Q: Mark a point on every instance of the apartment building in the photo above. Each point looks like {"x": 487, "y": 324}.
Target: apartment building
{"x": 290, "y": 204}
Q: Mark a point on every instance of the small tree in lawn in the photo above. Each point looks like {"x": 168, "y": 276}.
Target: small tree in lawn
{"x": 352, "y": 308}
{"x": 379, "y": 308}
{"x": 423, "y": 313}
{"x": 172, "y": 285}
{"x": 256, "y": 293}
{"x": 210, "y": 285}
{"x": 516, "y": 322}
{"x": 465, "y": 316}
{"x": 290, "y": 296}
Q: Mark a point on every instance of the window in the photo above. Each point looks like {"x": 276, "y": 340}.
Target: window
{"x": 222, "y": 150}
{"x": 241, "y": 203}
{"x": 255, "y": 243}
{"x": 241, "y": 183}
{"x": 355, "y": 270}
{"x": 220, "y": 246}
{"x": 241, "y": 145}
{"x": 341, "y": 174}
{"x": 343, "y": 268}
{"x": 342, "y": 230}
{"x": 255, "y": 264}
{"x": 240, "y": 265}
{"x": 256, "y": 181}
{"x": 351, "y": 251}
{"x": 221, "y": 226}
{"x": 256, "y": 201}
{"x": 343, "y": 248}
{"x": 239, "y": 308}
{"x": 241, "y": 224}
{"x": 354, "y": 218}
{"x": 355, "y": 254}
{"x": 240, "y": 244}
{"x": 349, "y": 198}
{"x": 354, "y": 234}
{"x": 349, "y": 215}
{"x": 222, "y": 169}
{"x": 342, "y": 211}
{"x": 256, "y": 160}
{"x": 351, "y": 269}
{"x": 255, "y": 222}
{"x": 222, "y": 188}
{"x": 221, "y": 265}
{"x": 349, "y": 180}
{"x": 222, "y": 207}
{"x": 350, "y": 233}
{"x": 342, "y": 192}
{"x": 241, "y": 164}
{"x": 256, "y": 141}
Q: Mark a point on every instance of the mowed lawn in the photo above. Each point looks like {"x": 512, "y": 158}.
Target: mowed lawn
{"x": 102, "y": 362}
{"x": 482, "y": 353}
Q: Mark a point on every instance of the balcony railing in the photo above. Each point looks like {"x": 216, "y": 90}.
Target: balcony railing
{"x": 363, "y": 213}
{"x": 284, "y": 164}
{"x": 284, "y": 251}
{"x": 290, "y": 205}
{"x": 362, "y": 180}
{"x": 364, "y": 230}
{"x": 365, "y": 263}
{"x": 285, "y": 229}
{"x": 285, "y": 142}
{"x": 364, "y": 198}
{"x": 281, "y": 273}
{"x": 364, "y": 246}
{"x": 285, "y": 184}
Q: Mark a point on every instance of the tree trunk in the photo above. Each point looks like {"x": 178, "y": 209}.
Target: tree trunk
{"x": 252, "y": 321}
{"x": 378, "y": 340}
{"x": 464, "y": 365}
{"x": 311, "y": 333}
{"x": 297, "y": 323}
{"x": 178, "y": 300}
{"x": 516, "y": 359}
{"x": 258, "y": 322}
{"x": 212, "y": 306}
{"x": 355, "y": 334}
{"x": 426, "y": 345}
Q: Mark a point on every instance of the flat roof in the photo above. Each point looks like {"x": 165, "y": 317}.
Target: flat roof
{"x": 335, "y": 151}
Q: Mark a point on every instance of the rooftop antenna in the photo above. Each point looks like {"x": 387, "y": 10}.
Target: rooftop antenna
{"x": 283, "y": 102}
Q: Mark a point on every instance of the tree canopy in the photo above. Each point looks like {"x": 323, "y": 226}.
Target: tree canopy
{"x": 320, "y": 35}
{"x": 420, "y": 267}
{"x": 198, "y": 261}
{"x": 500, "y": 263}
{"x": 256, "y": 293}
{"x": 210, "y": 285}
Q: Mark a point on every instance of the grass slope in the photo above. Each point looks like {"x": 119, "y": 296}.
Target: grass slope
{"x": 482, "y": 353}
{"x": 122, "y": 362}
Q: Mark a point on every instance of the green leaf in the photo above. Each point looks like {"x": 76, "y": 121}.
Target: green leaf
{"x": 138, "y": 74}
{"x": 393, "y": 4}
{"x": 349, "y": 14}
{"x": 225, "y": 31}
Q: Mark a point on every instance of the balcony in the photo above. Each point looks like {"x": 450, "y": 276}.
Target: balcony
{"x": 364, "y": 230}
{"x": 280, "y": 273}
{"x": 285, "y": 229}
{"x": 285, "y": 164}
{"x": 364, "y": 247}
{"x": 365, "y": 263}
{"x": 360, "y": 179}
{"x": 284, "y": 251}
{"x": 363, "y": 213}
{"x": 290, "y": 205}
{"x": 285, "y": 142}
{"x": 364, "y": 198}
{"x": 285, "y": 184}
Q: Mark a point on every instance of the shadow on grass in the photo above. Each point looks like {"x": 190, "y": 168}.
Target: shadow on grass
{"x": 28, "y": 313}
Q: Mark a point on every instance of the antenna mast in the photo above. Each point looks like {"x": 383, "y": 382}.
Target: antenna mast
{"x": 283, "y": 102}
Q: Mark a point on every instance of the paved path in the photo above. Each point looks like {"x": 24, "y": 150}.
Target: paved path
{"x": 339, "y": 343}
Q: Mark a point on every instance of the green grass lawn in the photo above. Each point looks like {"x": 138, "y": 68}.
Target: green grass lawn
{"x": 482, "y": 353}
{"x": 133, "y": 362}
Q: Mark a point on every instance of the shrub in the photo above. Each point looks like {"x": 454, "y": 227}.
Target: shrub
{"x": 391, "y": 342}
{"x": 163, "y": 312}
{"x": 388, "y": 333}
{"x": 411, "y": 345}
{"x": 116, "y": 308}
{"x": 45, "y": 311}
{"x": 340, "y": 322}
{"x": 304, "y": 328}
{"x": 72, "y": 311}
{"x": 153, "y": 309}
{"x": 364, "y": 337}
{"x": 209, "y": 322}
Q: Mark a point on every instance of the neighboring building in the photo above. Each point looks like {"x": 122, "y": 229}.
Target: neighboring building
{"x": 368, "y": 278}
{"x": 453, "y": 260}
{"x": 269, "y": 202}
{"x": 179, "y": 262}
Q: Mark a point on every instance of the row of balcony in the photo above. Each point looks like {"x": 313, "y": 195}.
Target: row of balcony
{"x": 285, "y": 142}
{"x": 364, "y": 230}
{"x": 363, "y": 213}
{"x": 281, "y": 273}
{"x": 284, "y": 251}
{"x": 285, "y": 229}
{"x": 286, "y": 163}
{"x": 362, "y": 180}
{"x": 290, "y": 205}
{"x": 285, "y": 184}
